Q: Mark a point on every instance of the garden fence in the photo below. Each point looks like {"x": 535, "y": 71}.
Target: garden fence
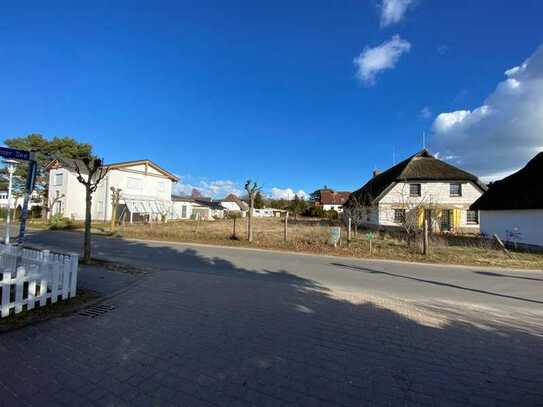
{"x": 33, "y": 278}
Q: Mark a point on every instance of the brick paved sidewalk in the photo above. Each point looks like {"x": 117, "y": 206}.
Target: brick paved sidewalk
{"x": 241, "y": 338}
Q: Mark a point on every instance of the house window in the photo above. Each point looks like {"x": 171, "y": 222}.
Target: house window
{"x": 472, "y": 217}
{"x": 134, "y": 183}
{"x": 59, "y": 179}
{"x": 455, "y": 189}
{"x": 184, "y": 211}
{"x": 414, "y": 189}
{"x": 399, "y": 215}
{"x": 100, "y": 206}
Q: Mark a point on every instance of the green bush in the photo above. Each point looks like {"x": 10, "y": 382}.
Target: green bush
{"x": 315, "y": 212}
{"x": 57, "y": 222}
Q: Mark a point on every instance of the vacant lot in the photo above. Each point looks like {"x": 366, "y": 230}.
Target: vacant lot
{"x": 311, "y": 236}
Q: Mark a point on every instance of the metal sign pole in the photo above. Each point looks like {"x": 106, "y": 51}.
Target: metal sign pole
{"x": 30, "y": 180}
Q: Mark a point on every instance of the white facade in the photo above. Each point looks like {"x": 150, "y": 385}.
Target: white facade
{"x": 35, "y": 200}
{"x": 337, "y": 208}
{"x": 263, "y": 213}
{"x": 433, "y": 195}
{"x": 181, "y": 210}
{"x": 523, "y": 226}
{"x": 231, "y": 206}
{"x": 139, "y": 182}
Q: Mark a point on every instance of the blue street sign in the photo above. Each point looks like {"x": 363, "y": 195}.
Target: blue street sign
{"x": 14, "y": 154}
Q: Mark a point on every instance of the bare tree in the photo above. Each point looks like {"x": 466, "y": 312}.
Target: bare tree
{"x": 90, "y": 174}
{"x": 358, "y": 210}
{"x": 414, "y": 207}
{"x": 252, "y": 189}
{"x": 49, "y": 204}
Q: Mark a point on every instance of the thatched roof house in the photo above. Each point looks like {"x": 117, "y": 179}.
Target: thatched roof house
{"x": 513, "y": 207}
{"x": 421, "y": 166}
{"x": 420, "y": 187}
{"x": 521, "y": 190}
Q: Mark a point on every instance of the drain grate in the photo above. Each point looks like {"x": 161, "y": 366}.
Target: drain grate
{"x": 97, "y": 310}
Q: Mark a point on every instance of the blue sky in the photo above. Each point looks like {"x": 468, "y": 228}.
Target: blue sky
{"x": 218, "y": 92}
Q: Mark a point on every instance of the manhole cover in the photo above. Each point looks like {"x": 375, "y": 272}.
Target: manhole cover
{"x": 97, "y": 310}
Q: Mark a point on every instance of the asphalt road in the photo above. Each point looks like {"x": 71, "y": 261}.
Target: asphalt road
{"x": 497, "y": 289}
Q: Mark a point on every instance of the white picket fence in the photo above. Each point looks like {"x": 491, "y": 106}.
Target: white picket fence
{"x": 29, "y": 278}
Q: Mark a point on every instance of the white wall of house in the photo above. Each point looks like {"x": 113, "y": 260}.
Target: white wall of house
{"x": 35, "y": 200}
{"x": 131, "y": 180}
{"x": 230, "y": 206}
{"x": 64, "y": 183}
{"x": 134, "y": 182}
{"x": 263, "y": 213}
{"x": 523, "y": 226}
{"x": 337, "y": 208}
{"x": 181, "y": 210}
{"x": 432, "y": 193}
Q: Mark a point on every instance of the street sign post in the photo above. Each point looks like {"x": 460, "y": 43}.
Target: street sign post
{"x": 334, "y": 236}
{"x": 15, "y": 154}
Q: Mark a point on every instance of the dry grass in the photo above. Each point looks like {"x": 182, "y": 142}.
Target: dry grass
{"x": 311, "y": 236}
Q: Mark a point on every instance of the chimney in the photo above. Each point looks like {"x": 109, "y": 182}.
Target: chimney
{"x": 375, "y": 173}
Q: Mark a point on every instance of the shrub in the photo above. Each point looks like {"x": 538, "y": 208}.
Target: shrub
{"x": 331, "y": 214}
{"x": 57, "y": 222}
{"x": 314, "y": 212}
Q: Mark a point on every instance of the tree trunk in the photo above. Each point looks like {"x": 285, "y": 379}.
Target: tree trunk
{"x": 250, "y": 222}
{"x": 88, "y": 224}
{"x": 113, "y": 215}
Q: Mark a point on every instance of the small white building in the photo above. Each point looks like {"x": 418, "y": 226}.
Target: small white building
{"x": 513, "y": 207}
{"x": 331, "y": 200}
{"x": 420, "y": 187}
{"x": 146, "y": 190}
{"x": 186, "y": 207}
{"x": 17, "y": 202}
{"x": 269, "y": 213}
{"x": 232, "y": 203}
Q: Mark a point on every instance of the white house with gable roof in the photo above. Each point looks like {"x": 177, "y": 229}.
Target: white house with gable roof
{"x": 146, "y": 191}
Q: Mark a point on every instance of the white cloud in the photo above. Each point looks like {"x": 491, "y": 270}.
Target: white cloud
{"x": 215, "y": 189}
{"x": 287, "y": 193}
{"x": 503, "y": 133}
{"x": 442, "y": 49}
{"x": 425, "y": 112}
{"x": 374, "y": 60}
{"x": 392, "y": 11}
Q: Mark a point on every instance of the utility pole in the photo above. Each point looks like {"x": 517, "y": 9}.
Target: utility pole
{"x": 11, "y": 164}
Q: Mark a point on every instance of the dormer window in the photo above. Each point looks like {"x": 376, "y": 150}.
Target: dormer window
{"x": 414, "y": 190}
{"x": 455, "y": 189}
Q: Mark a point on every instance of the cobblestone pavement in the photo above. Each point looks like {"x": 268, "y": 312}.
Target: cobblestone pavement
{"x": 247, "y": 338}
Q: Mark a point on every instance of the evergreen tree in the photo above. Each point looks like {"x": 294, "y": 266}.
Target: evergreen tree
{"x": 259, "y": 201}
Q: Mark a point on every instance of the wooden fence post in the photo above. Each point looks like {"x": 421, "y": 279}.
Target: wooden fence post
{"x": 286, "y": 227}
{"x": 349, "y": 232}
{"x": 6, "y": 288}
{"x": 19, "y": 284}
{"x": 425, "y": 238}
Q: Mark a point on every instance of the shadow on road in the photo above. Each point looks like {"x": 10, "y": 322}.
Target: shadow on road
{"x": 493, "y": 274}
{"x": 222, "y": 332}
{"x": 439, "y": 283}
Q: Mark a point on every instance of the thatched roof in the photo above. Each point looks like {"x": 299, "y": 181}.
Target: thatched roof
{"x": 234, "y": 198}
{"x": 422, "y": 166}
{"x": 521, "y": 190}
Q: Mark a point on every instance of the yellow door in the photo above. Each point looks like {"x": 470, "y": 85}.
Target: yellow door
{"x": 456, "y": 219}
